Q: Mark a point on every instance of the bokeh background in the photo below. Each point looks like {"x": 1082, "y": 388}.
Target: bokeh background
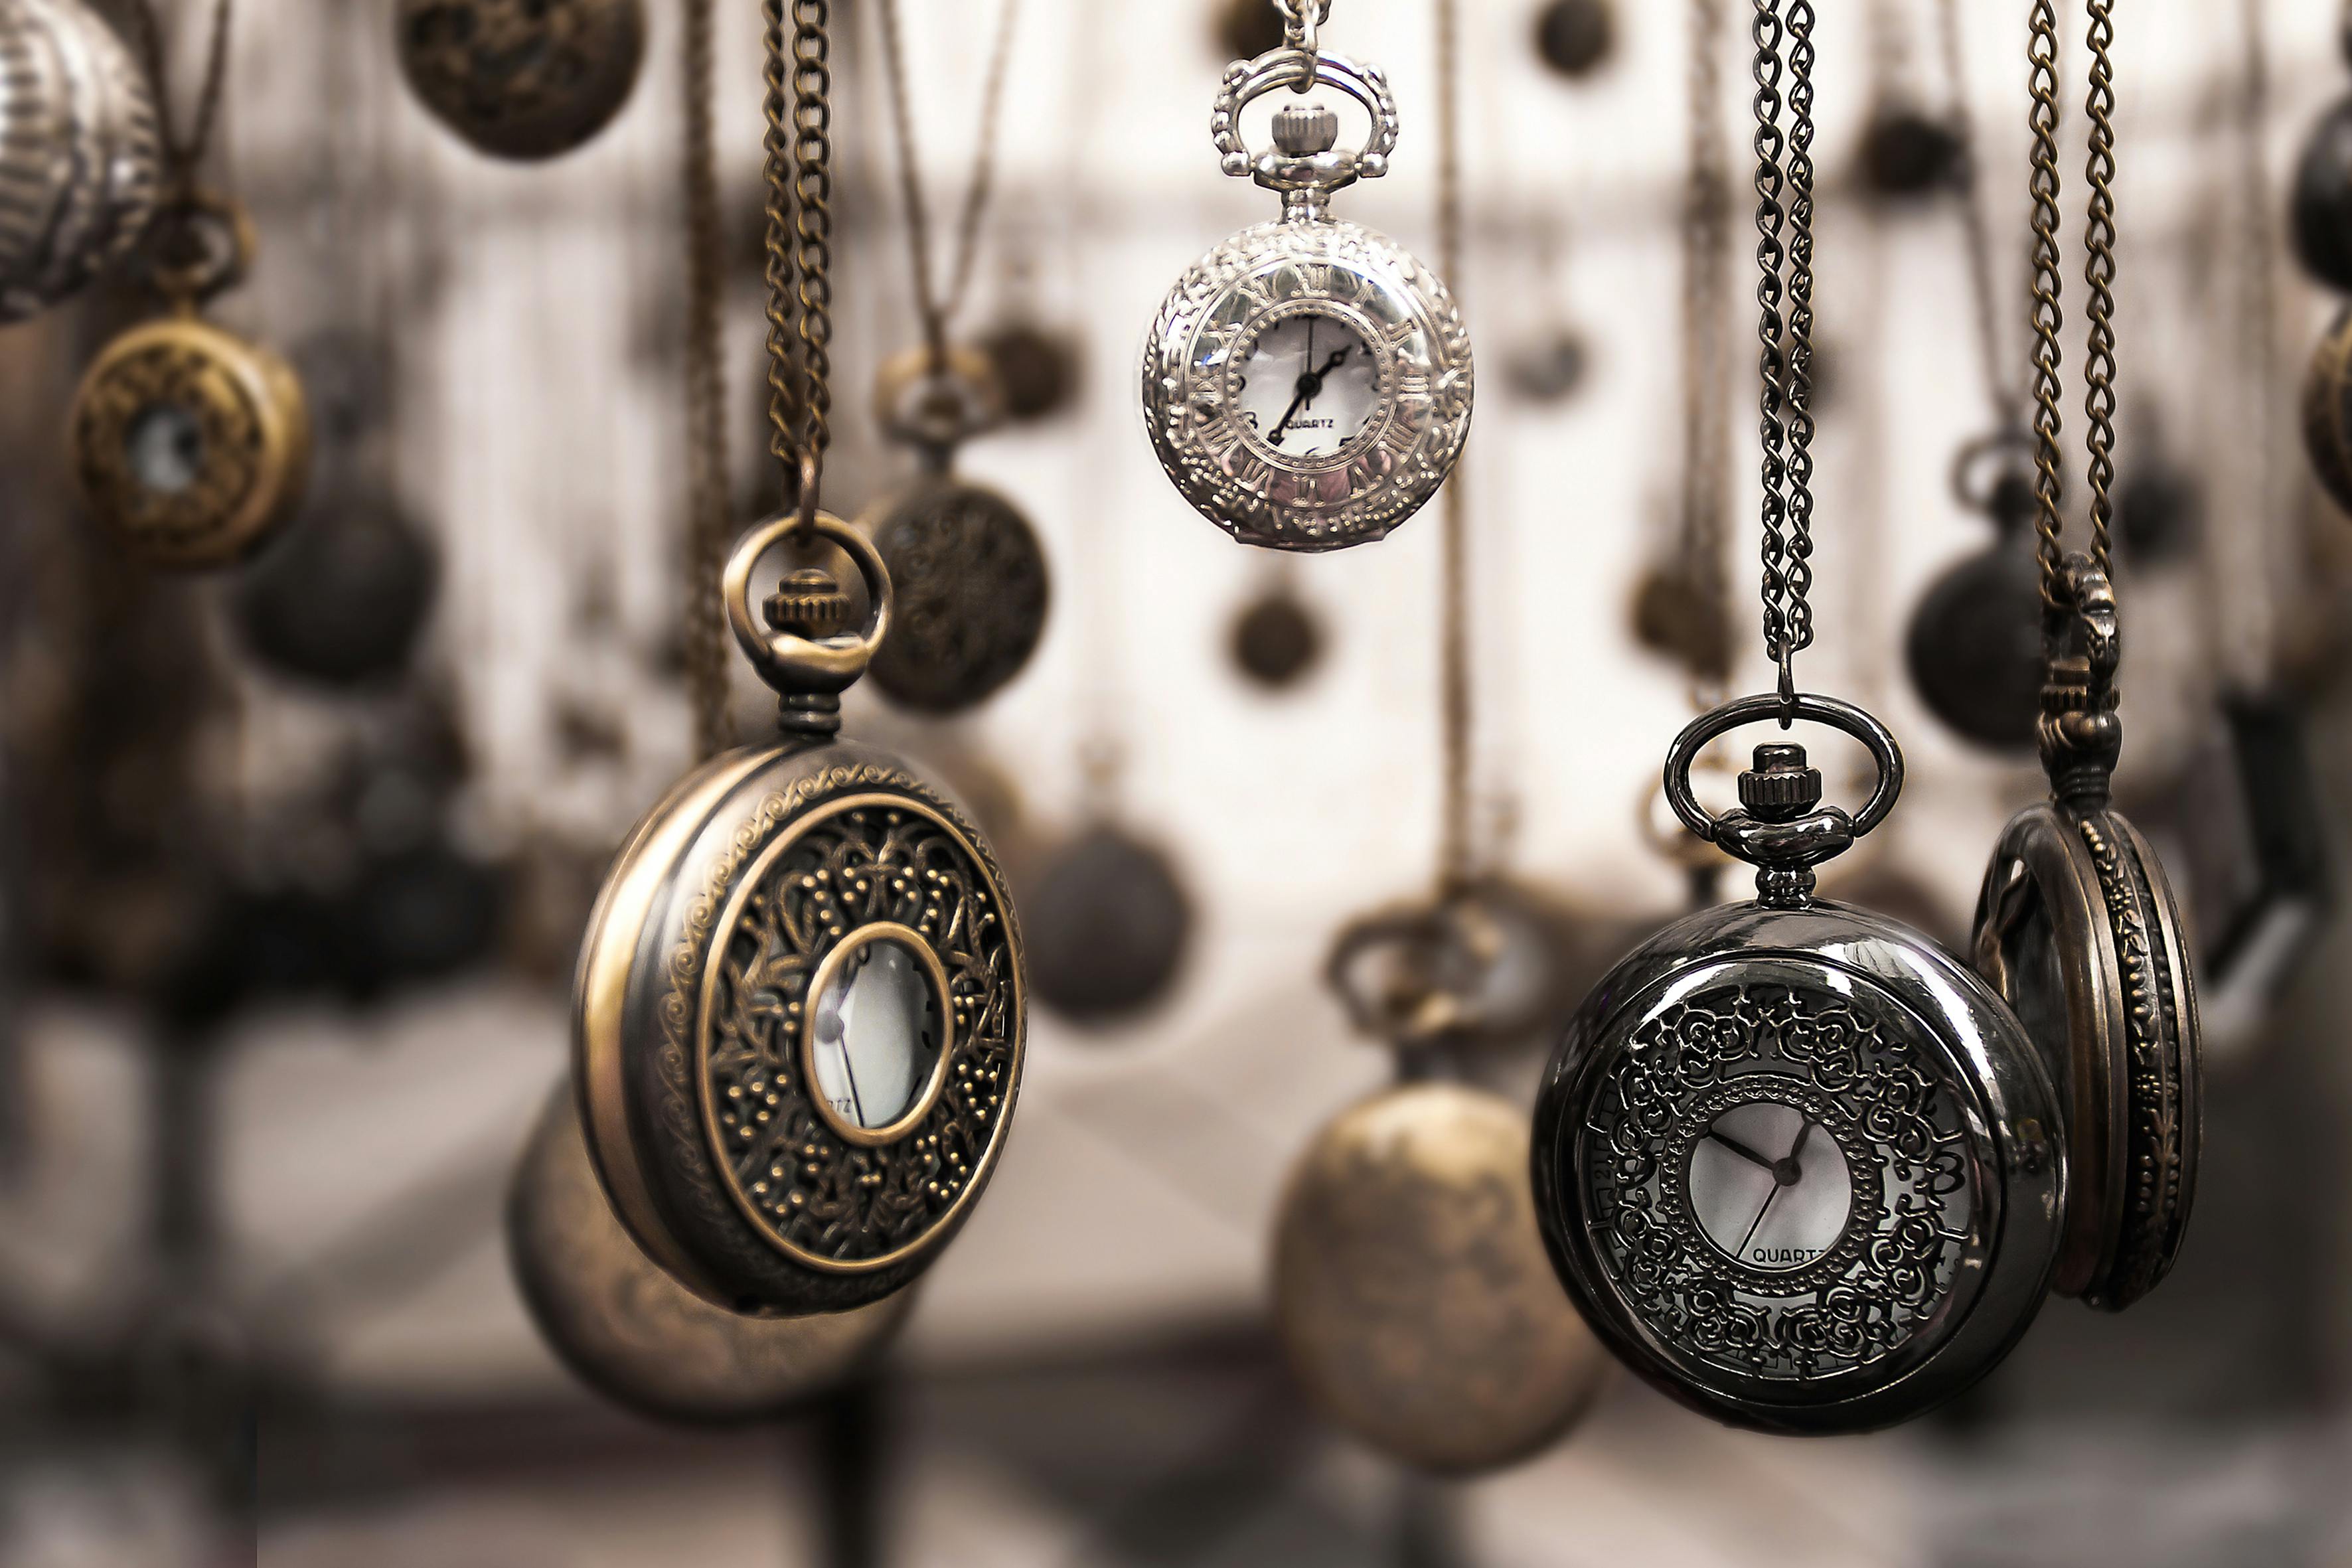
{"x": 254, "y": 1296}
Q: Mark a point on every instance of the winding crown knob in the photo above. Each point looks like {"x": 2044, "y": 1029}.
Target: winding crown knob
{"x": 809, "y": 604}
{"x": 1780, "y": 786}
{"x": 1306, "y": 129}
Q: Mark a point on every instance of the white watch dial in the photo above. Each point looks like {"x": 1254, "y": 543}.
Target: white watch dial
{"x": 1308, "y": 385}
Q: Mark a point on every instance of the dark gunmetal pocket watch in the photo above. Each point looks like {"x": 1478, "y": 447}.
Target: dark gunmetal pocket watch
{"x": 1798, "y": 1168}
{"x": 190, "y": 444}
{"x": 638, "y": 1337}
{"x": 2320, "y": 213}
{"x": 1277, "y": 639}
{"x": 1974, "y": 649}
{"x": 341, "y": 601}
{"x": 799, "y": 1014}
{"x": 969, "y": 577}
{"x": 521, "y": 78}
{"x": 1576, "y": 37}
{"x": 2077, "y": 929}
{"x": 1107, "y": 921}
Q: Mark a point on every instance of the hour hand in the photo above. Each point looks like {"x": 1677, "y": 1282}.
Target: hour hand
{"x": 1742, "y": 1150}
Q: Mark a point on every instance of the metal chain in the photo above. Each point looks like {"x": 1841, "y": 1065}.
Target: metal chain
{"x": 799, "y": 171}
{"x": 1706, "y": 236}
{"x": 706, "y": 393}
{"x": 1975, "y": 223}
{"x": 1454, "y": 717}
{"x": 2041, "y": 185}
{"x": 2099, "y": 279}
{"x": 938, "y": 308}
{"x": 1784, "y": 166}
{"x": 182, "y": 157}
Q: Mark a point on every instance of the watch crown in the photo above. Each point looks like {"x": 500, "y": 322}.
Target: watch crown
{"x": 809, "y": 604}
{"x": 1779, "y": 787}
{"x": 1304, "y": 130}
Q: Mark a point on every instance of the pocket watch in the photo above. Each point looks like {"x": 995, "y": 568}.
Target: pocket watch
{"x": 799, "y": 1013}
{"x": 1576, "y": 37}
{"x": 2077, "y": 929}
{"x": 1974, "y": 649}
{"x": 1410, "y": 1287}
{"x": 2328, "y": 411}
{"x": 1276, "y": 638}
{"x": 2321, "y": 211}
{"x": 637, "y": 1336}
{"x": 1487, "y": 962}
{"x": 968, "y": 574}
{"x": 1308, "y": 383}
{"x": 1799, "y": 1169}
{"x": 1107, "y": 921}
{"x": 521, "y": 78}
{"x": 340, "y": 602}
{"x": 81, "y": 157}
{"x": 190, "y": 444}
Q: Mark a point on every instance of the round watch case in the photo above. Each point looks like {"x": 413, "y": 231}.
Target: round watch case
{"x": 799, "y": 1018}
{"x": 1395, "y": 363}
{"x": 522, "y": 78}
{"x": 1799, "y": 1169}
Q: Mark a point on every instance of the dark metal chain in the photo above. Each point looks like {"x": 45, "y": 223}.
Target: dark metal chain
{"x": 706, "y": 393}
{"x": 937, "y": 307}
{"x": 1784, "y": 168}
{"x": 2041, "y": 185}
{"x": 799, "y": 145}
{"x": 1455, "y": 714}
{"x": 1984, "y": 294}
{"x": 182, "y": 156}
{"x": 1707, "y": 239}
{"x": 2099, "y": 279}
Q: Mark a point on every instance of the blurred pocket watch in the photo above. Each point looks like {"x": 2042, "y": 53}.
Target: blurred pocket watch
{"x": 1487, "y": 962}
{"x": 637, "y": 1336}
{"x": 190, "y": 444}
{"x": 1108, "y": 922}
{"x": 2077, "y": 929}
{"x": 1277, "y": 638}
{"x": 2321, "y": 209}
{"x": 81, "y": 157}
{"x": 969, "y": 575}
{"x": 341, "y": 601}
{"x": 1974, "y": 650}
{"x": 1411, "y": 1291}
{"x": 800, "y": 1008}
{"x": 1308, "y": 383}
{"x": 2328, "y": 410}
{"x": 1037, "y": 367}
{"x": 521, "y": 78}
{"x": 1576, "y": 37}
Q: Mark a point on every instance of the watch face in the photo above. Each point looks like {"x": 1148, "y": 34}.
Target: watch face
{"x": 1305, "y": 384}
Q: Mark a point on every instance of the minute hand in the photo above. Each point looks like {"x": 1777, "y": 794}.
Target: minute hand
{"x": 1309, "y": 386}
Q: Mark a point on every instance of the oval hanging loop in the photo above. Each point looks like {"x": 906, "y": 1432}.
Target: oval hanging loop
{"x": 789, "y": 660}
{"x": 1842, "y": 717}
{"x": 1304, "y": 166}
{"x": 201, "y": 245}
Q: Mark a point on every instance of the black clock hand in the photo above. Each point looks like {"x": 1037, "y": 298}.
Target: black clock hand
{"x": 1759, "y": 1218}
{"x": 1742, "y": 1150}
{"x": 1308, "y": 386}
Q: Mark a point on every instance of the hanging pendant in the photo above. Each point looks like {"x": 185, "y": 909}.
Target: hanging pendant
{"x": 1488, "y": 964}
{"x": 1799, "y": 1169}
{"x": 636, "y": 1335}
{"x": 1277, "y": 639}
{"x": 1037, "y": 367}
{"x": 1551, "y": 368}
{"x": 1308, "y": 383}
{"x": 2078, "y": 931}
{"x": 969, "y": 575}
{"x": 80, "y": 154}
{"x": 1409, "y": 1286}
{"x": 2321, "y": 210}
{"x": 341, "y": 601}
{"x": 1908, "y": 153}
{"x": 190, "y": 444}
{"x": 1576, "y": 37}
{"x": 799, "y": 1015}
{"x": 521, "y": 78}
{"x": 1974, "y": 650}
{"x": 1108, "y": 922}
{"x": 2328, "y": 411}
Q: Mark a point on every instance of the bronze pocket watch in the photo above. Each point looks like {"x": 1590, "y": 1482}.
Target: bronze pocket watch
{"x": 521, "y": 78}
{"x": 190, "y": 444}
{"x": 80, "y": 156}
{"x": 969, "y": 577}
{"x": 799, "y": 1014}
{"x": 1308, "y": 383}
{"x": 637, "y": 1336}
{"x": 2077, "y": 929}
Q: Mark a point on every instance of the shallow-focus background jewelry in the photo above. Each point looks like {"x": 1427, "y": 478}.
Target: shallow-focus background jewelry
{"x": 521, "y": 78}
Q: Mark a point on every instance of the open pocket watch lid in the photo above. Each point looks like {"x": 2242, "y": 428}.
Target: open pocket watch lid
{"x": 799, "y": 1016}
{"x": 1307, "y": 310}
{"x": 2077, "y": 927}
{"x": 1798, "y": 1166}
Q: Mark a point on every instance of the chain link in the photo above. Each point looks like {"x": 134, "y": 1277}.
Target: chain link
{"x": 183, "y": 156}
{"x": 1784, "y": 168}
{"x": 2042, "y": 186}
{"x": 799, "y": 172}
{"x": 938, "y": 307}
{"x": 2099, "y": 279}
{"x": 707, "y": 509}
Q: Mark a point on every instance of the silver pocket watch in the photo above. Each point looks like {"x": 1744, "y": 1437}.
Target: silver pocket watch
{"x": 1308, "y": 383}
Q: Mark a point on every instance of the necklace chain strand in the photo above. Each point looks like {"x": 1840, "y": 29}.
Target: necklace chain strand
{"x": 937, "y": 307}
{"x": 1976, "y": 225}
{"x": 1784, "y": 168}
{"x": 706, "y": 392}
{"x": 1454, "y": 570}
{"x": 799, "y": 172}
{"x": 1706, "y": 233}
{"x": 182, "y": 156}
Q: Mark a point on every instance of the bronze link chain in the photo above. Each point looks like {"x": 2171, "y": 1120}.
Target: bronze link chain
{"x": 799, "y": 173}
{"x": 182, "y": 156}
{"x": 707, "y": 507}
{"x": 2099, "y": 279}
{"x": 2042, "y": 186}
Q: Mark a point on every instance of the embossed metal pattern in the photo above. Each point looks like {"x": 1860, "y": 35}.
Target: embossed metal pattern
{"x": 79, "y": 152}
{"x": 522, "y": 78}
{"x": 972, "y": 589}
{"x": 860, "y": 860}
{"x": 693, "y": 979}
{"x": 636, "y": 1335}
{"x": 1390, "y": 467}
{"x": 1854, "y": 1064}
{"x": 1411, "y": 1288}
{"x": 250, "y": 421}
{"x": 1841, "y": 1024}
